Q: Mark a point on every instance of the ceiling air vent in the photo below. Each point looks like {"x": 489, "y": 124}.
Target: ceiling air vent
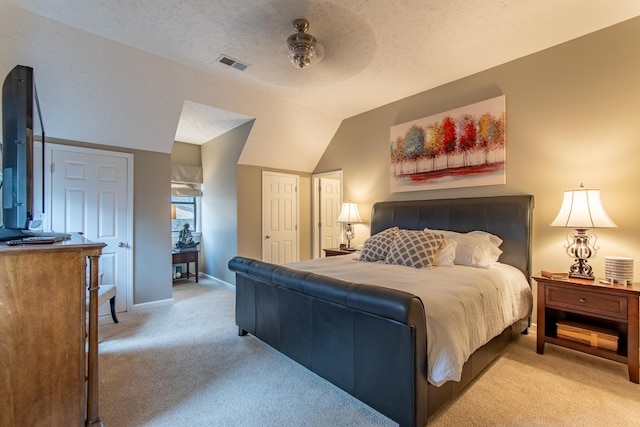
{"x": 227, "y": 60}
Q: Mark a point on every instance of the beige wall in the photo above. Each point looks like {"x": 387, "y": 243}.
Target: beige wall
{"x": 250, "y": 211}
{"x": 186, "y": 154}
{"x": 220, "y": 201}
{"x": 573, "y": 115}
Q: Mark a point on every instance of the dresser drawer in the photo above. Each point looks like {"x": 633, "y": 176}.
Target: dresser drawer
{"x": 584, "y": 301}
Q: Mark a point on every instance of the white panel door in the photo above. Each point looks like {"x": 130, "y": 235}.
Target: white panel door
{"x": 91, "y": 193}
{"x": 279, "y": 217}
{"x": 330, "y": 205}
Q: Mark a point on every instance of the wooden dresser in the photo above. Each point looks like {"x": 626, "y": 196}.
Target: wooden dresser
{"x": 49, "y": 375}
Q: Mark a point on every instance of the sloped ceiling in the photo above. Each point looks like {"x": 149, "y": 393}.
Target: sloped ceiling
{"x": 201, "y": 123}
{"x": 142, "y": 74}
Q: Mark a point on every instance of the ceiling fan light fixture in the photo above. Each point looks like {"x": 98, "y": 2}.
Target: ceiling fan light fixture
{"x": 304, "y": 49}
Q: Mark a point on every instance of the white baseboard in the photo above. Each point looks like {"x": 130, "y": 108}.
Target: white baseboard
{"x": 153, "y": 304}
{"x": 169, "y": 301}
{"x": 218, "y": 281}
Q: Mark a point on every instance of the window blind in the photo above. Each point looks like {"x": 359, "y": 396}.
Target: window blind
{"x": 186, "y": 180}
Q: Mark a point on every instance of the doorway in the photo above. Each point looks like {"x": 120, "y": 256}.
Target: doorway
{"x": 91, "y": 191}
{"x": 327, "y": 202}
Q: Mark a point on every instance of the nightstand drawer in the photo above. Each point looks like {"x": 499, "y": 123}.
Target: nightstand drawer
{"x": 182, "y": 257}
{"x": 189, "y": 256}
{"x": 581, "y": 301}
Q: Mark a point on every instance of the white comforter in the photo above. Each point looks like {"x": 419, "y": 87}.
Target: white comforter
{"x": 465, "y": 306}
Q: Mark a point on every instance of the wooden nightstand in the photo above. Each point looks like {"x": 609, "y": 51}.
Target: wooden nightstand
{"x": 338, "y": 251}
{"x": 185, "y": 257}
{"x": 592, "y": 304}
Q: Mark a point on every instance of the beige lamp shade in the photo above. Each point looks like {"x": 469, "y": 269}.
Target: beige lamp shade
{"x": 173, "y": 211}
{"x": 582, "y": 209}
{"x": 349, "y": 214}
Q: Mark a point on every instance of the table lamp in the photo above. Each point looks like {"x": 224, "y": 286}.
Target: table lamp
{"x": 582, "y": 209}
{"x": 349, "y": 215}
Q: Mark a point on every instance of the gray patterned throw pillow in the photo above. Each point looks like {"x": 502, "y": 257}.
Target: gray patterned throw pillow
{"x": 414, "y": 248}
{"x": 377, "y": 246}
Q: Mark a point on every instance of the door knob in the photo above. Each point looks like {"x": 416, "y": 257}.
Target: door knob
{"x": 268, "y": 236}
{"x": 123, "y": 245}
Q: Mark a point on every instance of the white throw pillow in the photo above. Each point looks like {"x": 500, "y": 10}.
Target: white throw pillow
{"x": 446, "y": 254}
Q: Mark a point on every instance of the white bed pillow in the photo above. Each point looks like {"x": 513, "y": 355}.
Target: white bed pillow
{"x": 492, "y": 237}
{"x": 414, "y": 248}
{"x": 376, "y": 247}
{"x": 474, "y": 249}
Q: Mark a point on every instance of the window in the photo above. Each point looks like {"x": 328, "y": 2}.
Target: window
{"x": 186, "y": 190}
{"x": 184, "y": 210}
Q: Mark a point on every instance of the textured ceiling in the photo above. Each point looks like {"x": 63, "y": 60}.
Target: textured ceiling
{"x": 196, "y": 127}
{"x": 376, "y": 52}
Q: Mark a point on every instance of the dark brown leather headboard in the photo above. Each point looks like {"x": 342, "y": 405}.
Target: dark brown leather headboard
{"x": 509, "y": 217}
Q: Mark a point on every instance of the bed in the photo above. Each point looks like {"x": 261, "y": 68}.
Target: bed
{"x": 369, "y": 340}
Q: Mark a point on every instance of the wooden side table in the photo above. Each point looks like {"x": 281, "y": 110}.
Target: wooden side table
{"x": 591, "y": 303}
{"x": 338, "y": 251}
{"x": 186, "y": 257}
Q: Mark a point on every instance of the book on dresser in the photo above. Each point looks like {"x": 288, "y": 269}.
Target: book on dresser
{"x": 555, "y": 275}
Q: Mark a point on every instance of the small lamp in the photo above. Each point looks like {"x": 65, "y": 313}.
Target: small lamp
{"x": 173, "y": 211}
{"x": 349, "y": 215}
{"x": 582, "y": 209}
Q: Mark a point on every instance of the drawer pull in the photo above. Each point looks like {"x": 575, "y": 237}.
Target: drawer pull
{"x": 582, "y": 300}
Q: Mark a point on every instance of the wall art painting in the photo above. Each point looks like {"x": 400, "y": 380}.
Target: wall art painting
{"x": 464, "y": 147}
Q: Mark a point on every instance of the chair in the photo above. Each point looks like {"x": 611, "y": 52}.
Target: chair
{"x": 106, "y": 293}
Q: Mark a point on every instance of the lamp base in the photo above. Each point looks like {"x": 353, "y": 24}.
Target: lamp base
{"x": 581, "y": 248}
{"x": 349, "y": 234}
{"x": 581, "y": 276}
{"x": 581, "y": 270}
{"x": 347, "y": 246}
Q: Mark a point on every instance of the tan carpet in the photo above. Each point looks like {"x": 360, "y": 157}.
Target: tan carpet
{"x": 185, "y": 365}
{"x": 559, "y": 388}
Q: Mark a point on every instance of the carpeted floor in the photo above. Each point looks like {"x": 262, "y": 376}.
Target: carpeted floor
{"x": 185, "y": 365}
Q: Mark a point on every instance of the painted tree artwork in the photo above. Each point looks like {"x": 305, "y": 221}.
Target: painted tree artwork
{"x": 464, "y": 147}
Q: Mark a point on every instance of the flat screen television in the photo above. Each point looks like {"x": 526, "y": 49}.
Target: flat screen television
{"x": 18, "y": 169}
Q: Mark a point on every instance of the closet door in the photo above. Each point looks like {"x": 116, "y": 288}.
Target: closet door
{"x": 91, "y": 192}
{"x": 279, "y": 218}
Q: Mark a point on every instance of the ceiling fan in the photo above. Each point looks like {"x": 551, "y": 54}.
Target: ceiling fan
{"x": 303, "y": 49}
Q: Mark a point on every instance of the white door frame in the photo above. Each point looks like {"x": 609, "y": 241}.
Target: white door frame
{"x": 47, "y": 200}
{"x": 316, "y": 239}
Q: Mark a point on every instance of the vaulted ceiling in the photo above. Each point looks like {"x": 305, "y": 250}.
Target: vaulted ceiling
{"x": 376, "y": 52}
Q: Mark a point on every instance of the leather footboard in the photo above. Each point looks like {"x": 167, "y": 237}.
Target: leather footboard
{"x": 369, "y": 341}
